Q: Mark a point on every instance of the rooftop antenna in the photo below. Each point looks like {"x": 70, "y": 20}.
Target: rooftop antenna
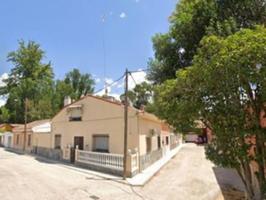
{"x": 104, "y": 55}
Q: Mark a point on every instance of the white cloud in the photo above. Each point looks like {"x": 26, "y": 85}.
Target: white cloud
{"x": 139, "y": 77}
{"x": 2, "y": 102}
{"x": 102, "y": 92}
{"x": 3, "y": 77}
{"x": 97, "y": 80}
{"x": 2, "y": 84}
{"x": 123, "y": 15}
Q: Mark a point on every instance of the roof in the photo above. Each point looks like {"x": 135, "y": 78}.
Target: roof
{"x": 20, "y": 128}
{"x": 142, "y": 114}
{"x": 7, "y": 127}
{"x": 42, "y": 128}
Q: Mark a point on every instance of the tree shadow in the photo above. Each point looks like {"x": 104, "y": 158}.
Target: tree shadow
{"x": 230, "y": 183}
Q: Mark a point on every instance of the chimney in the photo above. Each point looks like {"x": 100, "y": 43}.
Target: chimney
{"x": 67, "y": 100}
{"x": 142, "y": 108}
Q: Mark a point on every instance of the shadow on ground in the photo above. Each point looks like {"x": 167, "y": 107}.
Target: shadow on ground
{"x": 230, "y": 183}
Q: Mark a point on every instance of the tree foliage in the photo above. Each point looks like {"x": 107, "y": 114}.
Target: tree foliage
{"x": 141, "y": 95}
{"x": 228, "y": 94}
{"x": 190, "y": 22}
{"x": 4, "y": 115}
{"x": 32, "y": 79}
{"x": 29, "y": 78}
{"x": 81, "y": 84}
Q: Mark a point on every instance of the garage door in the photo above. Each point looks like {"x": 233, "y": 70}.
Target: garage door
{"x": 101, "y": 143}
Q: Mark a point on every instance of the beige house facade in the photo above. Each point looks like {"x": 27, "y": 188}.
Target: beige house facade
{"x": 90, "y": 132}
{"x": 19, "y": 136}
{"x": 93, "y": 117}
{"x": 95, "y": 124}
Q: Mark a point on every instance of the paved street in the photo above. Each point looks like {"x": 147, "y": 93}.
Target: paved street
{"x": 187, "y": 176}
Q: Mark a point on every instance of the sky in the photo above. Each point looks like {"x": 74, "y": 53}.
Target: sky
{"x": 74, "y": 34}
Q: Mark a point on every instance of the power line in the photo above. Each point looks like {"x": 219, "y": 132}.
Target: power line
{"x": 138, "y": 71}
{"x": 130, "y": 72}
{"x": 133, "y": 78}
{"x": 109, "y": 85}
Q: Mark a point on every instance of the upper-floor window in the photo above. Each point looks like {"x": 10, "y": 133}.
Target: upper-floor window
{"x": 75, "y": 119}
{"x": 75, "y": 113}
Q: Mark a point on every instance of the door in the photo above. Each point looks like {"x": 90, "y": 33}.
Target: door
{"x": 9, "y": 141}
{"x": 78, "y": 141}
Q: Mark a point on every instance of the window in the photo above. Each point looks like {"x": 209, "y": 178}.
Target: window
{"x": 101, "y": 143}
{"x": 29, "y": 140}
{"x": 75, "y": 115}
{"x": 17, "y": 142}
{"x": 159, "y": 142}
{"x": 57, "y": 142}
{"x": 148, "y": 144}
{"x": 167, "y": 140}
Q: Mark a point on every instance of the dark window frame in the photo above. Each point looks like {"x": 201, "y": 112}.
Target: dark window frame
{"x": 56, "y": 146}
{"x": 75, "y": 119}
{"x": 100, "y": 150}
{"x": 148, "y": 144}
{"x": 17, "y": 140}
{"x": 29, "y": 140}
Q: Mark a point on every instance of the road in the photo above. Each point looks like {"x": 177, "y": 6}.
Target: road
{"x": 187, "y": 176}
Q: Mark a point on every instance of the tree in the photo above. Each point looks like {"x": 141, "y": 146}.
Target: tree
{"x": 61, "y": 90}
{"x": 81, "y": 84}
{"x": 141, "y": 95}
{"x": 4, "y": 114}
{"x": 190, "y": 22}
{"x": 29, "y": 78}
{"x": 228, "y": 94}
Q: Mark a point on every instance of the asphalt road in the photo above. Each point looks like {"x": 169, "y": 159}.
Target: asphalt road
{"x": 188, "y": 176}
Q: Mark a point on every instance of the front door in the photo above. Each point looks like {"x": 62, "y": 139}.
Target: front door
{"x": 78, "y": 141}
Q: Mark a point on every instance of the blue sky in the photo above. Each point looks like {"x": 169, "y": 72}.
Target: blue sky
{"x": 71, "y": 33}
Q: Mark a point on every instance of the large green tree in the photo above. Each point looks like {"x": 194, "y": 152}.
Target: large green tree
{"x": 141, "y": 95}
{"x": 81, "y": 84}
{"x": 190, "y": 22}
{"x": 228, "y": 94}
{"x": 30, "y": 78}
{"x": 4, "y": 114}
{"x": 74, "y": 85}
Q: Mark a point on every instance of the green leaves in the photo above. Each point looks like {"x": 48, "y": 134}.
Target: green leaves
{"x": 193, "y": 20}
{"x": 225, "y": 88}
{"x": 29, "y": 78}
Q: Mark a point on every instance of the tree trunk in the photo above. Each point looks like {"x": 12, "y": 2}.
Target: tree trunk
{"x": 260, "y": 155}
{"x": 246, "y": 176}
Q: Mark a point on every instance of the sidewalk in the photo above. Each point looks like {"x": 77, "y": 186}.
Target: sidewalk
{"x": 142, "y": 178}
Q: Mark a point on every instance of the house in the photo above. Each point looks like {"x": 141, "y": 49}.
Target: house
{"x": 42, "y": 141}
{"x": 19, "y": 136}
{"x": 6, "y": 135}
{"x": 95, "y": 126}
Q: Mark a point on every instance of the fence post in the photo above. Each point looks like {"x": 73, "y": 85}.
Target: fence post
{"x": 76, "y": 155}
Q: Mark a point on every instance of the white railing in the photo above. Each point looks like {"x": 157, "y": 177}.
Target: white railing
{"x": 112, "y": 161}
{"x": 134, "y": 162}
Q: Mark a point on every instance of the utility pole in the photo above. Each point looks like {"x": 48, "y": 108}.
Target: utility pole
{"x": 25, "y": 123}
{"x": 126, "y": 123}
